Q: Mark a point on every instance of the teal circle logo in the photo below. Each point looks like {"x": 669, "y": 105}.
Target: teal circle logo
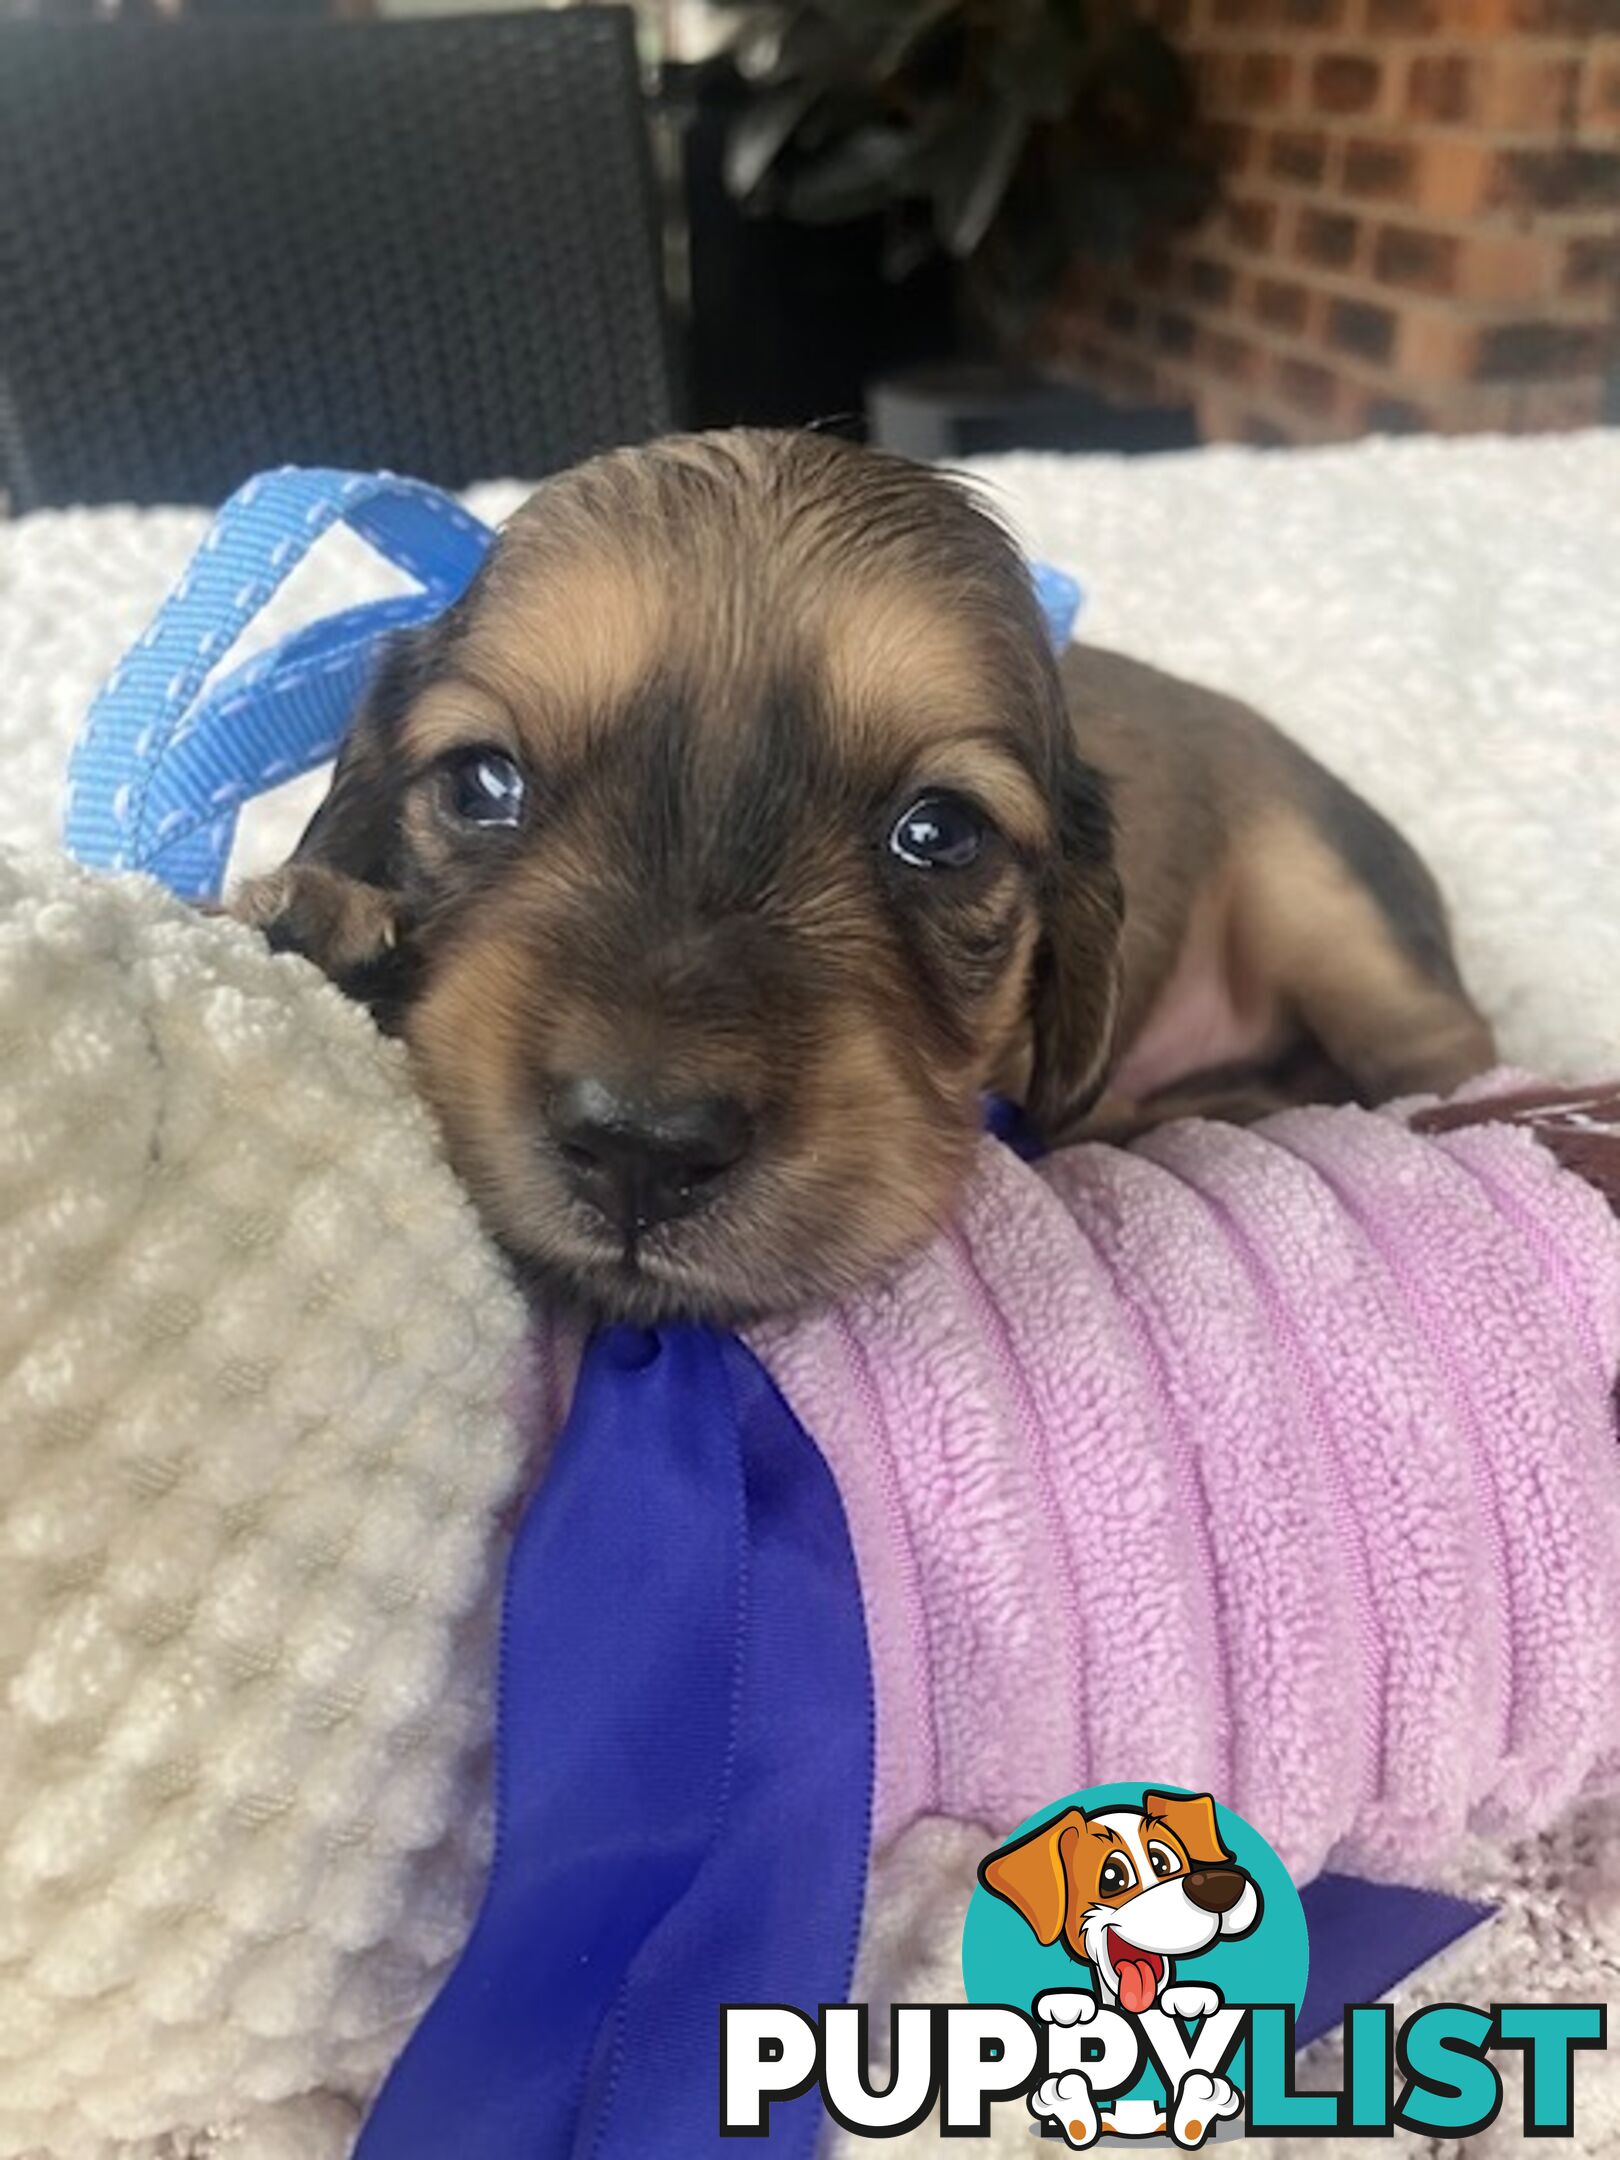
{"x": 1141, "y": 1897}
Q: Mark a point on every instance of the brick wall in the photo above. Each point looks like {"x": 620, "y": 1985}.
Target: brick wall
{"x": 1420, "y": 223}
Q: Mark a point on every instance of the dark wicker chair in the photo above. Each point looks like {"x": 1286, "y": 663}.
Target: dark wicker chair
{"x": 429, "y": 245}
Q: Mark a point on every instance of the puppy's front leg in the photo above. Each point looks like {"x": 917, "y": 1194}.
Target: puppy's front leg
{"x": 350, "y": 930}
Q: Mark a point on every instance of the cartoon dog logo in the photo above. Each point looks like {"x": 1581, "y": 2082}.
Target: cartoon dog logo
{"x": 1130, "y": 1891}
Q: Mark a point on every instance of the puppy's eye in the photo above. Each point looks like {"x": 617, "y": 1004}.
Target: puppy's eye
{"x": 938, "y": 832}
{"x": 1163, "y": 1861}
{"x": 485, "y": 787}
{"x": 1117, "y": 1875}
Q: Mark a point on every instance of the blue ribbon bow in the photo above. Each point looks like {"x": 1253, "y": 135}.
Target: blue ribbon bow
{"x": 684, "y": 1745}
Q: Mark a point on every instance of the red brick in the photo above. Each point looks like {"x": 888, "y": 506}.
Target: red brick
{"x": 1530, "y": 93}
{"x": 1561, "y": 404}
{"x": 1229, "y": 144}
{"x": 1394, "y": 416}
{"x": 1207, "y": 281}
{"x": 1429, "y": 18}
{"x": 1436, "y": 345}
{"x": 1476, "y": 408}
{"x": 1403, "y": 18}
{"x": 1298, "y": 156}
{"x": 1509, "y": 351}
{"x": 1262, "y": 433}
{"x": 1281, "y": 305}
{"x": 1514, "y": 267}
{"x": 1423, "y": 261}
{"x": 1250, "y": 224}
{"x": 1380, "y": 168}
{"x": 1176, "y": 332}
{"x": 1153, "y": 266}
{"x": 1457, "y": 176}
{"x": 1129, "y": 378}
{"x": 1346, "y": 83}
{"x": 1599, "y": 103}
{"x": 1233, "y": 358}
{"x": 1592, "y": 264}
{"x": 1326, "y": 237}
{"x": 1442, "y": 86}
{"x": 1313, "y": 389}
{"x": 1570, "y": 178}
{"x": 1359, "y": 328}
{"x": 1565, "y": 18}
{"x": 1264, "y": 81}
{"x": 1215, "y": 80}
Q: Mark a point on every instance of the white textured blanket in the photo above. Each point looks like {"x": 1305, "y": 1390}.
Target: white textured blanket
{"x": 1438, "y": 621}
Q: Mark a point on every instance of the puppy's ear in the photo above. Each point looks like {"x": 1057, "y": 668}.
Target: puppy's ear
{"x": 338, "y": 900}
{"x": 1192, "y": 1818}
{"x": 1032, "y": 1874}
{"x": 355, "y": 832}
{"x": 1074, "y": 1001}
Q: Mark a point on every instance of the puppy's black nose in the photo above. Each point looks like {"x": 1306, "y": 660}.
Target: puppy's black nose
{"x": 640, "y": 1161}
{"x": 1216, "y": 1889}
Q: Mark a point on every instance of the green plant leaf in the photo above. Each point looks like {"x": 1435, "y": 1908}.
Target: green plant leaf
{"x": 1043, "y": 71}
{"x": 969, "y": 169}
{"x": 1012, "y": 135}
{"x": 914, "y": 23}
{"x": 860, "y": 173}
{"x": 908, "y": 242}
{"x": 762, "y": 131}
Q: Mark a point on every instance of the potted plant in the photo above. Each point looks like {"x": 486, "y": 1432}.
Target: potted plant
{"x": 991, "y": 142}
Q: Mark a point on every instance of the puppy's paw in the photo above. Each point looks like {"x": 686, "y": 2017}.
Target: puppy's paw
{"x": 336, "y": 921}
{"x": 1066, "y": 2103}
{"x": 1191, "y": 1999}
{"x": 1201, "y": 2102}
{"x": 1065, "y": 2006}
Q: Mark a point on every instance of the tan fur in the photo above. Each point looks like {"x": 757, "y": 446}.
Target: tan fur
{"x": 1232, "y": 875}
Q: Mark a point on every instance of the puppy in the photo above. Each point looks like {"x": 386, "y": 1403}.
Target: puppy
{"x": 737, "y": 832}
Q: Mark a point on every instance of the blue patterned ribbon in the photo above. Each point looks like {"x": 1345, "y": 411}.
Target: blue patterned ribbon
{"x": 170, "y": 753}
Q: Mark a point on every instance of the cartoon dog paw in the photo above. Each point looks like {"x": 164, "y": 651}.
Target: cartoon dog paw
{"x": 1066, "y": 2103}
{"x": 1065, "y": 2006}
{"x": 1188, "y": 1999}
{"x": 1201, "y": 2102}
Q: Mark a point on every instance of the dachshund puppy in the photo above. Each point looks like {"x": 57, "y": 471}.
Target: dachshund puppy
{"x": 737, "y": 832}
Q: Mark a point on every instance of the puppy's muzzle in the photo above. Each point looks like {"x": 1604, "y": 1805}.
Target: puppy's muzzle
{"x": 639, "y": 1161}
{"x": 1215, "y": 1890}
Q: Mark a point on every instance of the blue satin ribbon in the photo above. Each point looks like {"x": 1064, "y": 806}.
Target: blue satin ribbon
{"x": 1367, "y": 1937}
{"x": 684, "y": 1777}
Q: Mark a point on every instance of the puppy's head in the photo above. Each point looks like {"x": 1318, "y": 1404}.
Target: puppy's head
{"x": 1128, "y": 1889}
{"x": 731, "y": 845}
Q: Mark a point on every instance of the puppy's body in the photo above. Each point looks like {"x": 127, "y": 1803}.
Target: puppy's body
{"x": 1281, "y": 941}
{"x": 737, "y": 831}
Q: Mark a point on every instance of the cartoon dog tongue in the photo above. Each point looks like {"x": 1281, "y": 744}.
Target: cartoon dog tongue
{"x": 1138, "y": 1979}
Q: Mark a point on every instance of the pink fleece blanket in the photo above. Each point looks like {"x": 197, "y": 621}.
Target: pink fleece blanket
{"x": 1277, "y": 1463}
